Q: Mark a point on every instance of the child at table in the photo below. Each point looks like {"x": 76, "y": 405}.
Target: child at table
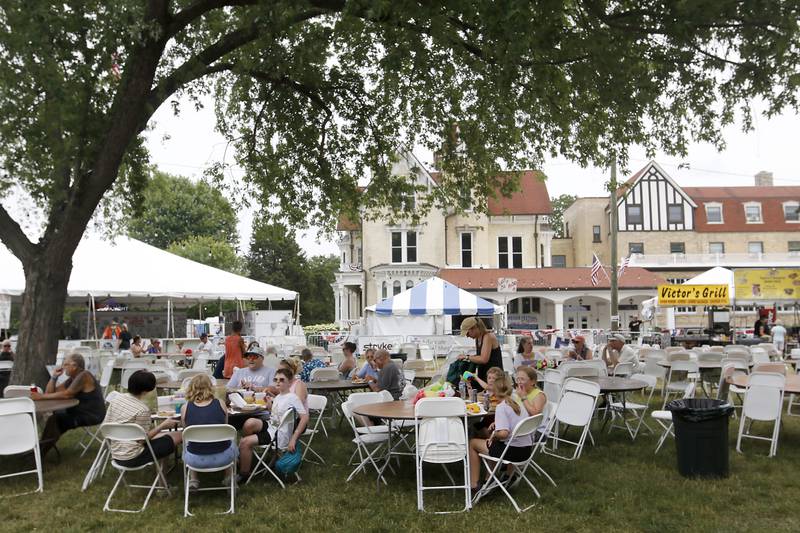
{"x": 202, "y": 408}
{"x": 493, "y": 375}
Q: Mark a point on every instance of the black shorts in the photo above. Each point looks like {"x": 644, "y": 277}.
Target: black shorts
{"x": 264, "y": 438}
{"x": 67, "y": 420}
{"x": 515, "y": 454}
{"x": 162, "y": 447}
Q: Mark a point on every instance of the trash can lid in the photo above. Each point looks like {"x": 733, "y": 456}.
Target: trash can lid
{"x": 699, "y": 409}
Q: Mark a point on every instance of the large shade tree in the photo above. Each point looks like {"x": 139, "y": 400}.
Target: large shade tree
{"x": 313, "y": 92}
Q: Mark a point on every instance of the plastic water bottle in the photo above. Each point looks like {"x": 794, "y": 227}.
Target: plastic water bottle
{"x": 462, "y": 390}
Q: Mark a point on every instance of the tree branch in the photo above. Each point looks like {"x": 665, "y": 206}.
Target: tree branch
{"x": 190, "y": 13}
{"x": 14, "y": 238}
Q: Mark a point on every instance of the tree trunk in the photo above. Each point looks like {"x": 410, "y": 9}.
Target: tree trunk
{"x": 46, "y": 278}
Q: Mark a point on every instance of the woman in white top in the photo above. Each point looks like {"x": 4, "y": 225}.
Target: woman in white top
{"x": 526, "y": 356}
{"x": 507, "y": 415}
{"x": 262, "y": 431}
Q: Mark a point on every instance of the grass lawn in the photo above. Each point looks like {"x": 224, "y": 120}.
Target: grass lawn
{"x": 616, "y": 485}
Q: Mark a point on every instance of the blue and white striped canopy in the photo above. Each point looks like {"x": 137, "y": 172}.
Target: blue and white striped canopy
{"x": 435, "y": 296}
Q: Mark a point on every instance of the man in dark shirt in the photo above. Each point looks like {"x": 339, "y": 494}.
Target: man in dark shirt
{"x": 390, "y": 376}
{"x": 5, "y": 355}
{"x": 634, "y": 324}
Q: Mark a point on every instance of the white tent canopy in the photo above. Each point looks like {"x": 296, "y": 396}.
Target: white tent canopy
{"x": 133, "y": 271}
{"x": 715, "y": 276}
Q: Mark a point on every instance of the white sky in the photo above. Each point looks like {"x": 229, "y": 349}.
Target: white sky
{"x": 193, "y": 144}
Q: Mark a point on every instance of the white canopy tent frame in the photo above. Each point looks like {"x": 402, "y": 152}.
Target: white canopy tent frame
{"x": 130, "y": 270}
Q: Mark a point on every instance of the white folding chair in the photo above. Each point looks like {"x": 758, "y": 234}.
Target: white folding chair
{"x": 409, "y": 375}
{"x": 759, "y": 355}
{"x": 575, "y": 408}
{"x": 638, "y": 410}
{"x": 442, "y": 438}
{"x": 204, "y": 434}
{"x": 201, "y": 361}
{"x": 264, "y": 453}
{"x": 316, "y": 405}
{"x": 776, "y": 368}
{"x": 664, "y": 417}
{"x": 132, "y": 433}
{"x": 579, "y": 370}
{"x": 415, "y": 364}
{"x": 763, "y": 402}
{"x": 494, "y": 465}
{"x": 676, "y": 387}
{"x": 368, "y": 444}
{"x": 186, "y": 381}
{"x": 187, "y": 373}
{"x": 325, "y": 374}
{"x": 98, "y": 466}
{"x": 410, "y": 349}
{"x": 19, "y": 434}
{"x": 19, "y": 391}
{"x": 427, "y": 354}
{"x": 622, "y": 370}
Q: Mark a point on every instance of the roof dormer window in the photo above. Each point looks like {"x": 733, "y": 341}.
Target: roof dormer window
{"x": 714, "y": 213}
{"x": 752, "y": 213}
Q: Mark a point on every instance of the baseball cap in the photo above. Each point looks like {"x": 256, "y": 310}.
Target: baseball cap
{"x": 579, "y": 338}
{"x": 616, "y": 337}
{"x": 468, "y": 323}
{"x": 255, "y": 350}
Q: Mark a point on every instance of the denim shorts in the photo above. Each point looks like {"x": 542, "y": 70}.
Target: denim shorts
{"x": 212, "y": 460}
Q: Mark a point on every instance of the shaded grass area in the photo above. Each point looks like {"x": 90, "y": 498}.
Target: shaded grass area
{"x": 616, "y": 485}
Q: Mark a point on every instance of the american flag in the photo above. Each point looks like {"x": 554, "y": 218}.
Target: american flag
{"x": 596, "y": 268}
{"x": 623, "y": 265}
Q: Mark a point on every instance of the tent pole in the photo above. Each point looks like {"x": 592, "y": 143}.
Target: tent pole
{"x": 200, "y": 308}
{"x": 167, "y": 334}
{"x": 94, "y": 316}
{"x": 88, "y": 317}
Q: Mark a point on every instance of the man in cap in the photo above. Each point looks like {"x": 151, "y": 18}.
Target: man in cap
{"x": 205, "y": 344}
{"x": 616, "y": 351}
{"x": 579, "y": 351}
{"x": 255, "y": 376}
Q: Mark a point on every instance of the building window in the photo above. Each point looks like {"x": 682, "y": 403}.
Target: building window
{"x": 794, "y": 246}
{"x": 384, "y": 290}
{"x": 714, "y": 213}
{"x": 396, "y": 287}
{"x": 513, "y": 307}
{"x": 596, "y": 234}
{"x": 674, "y": 214}
{"x": 404, "y": 247}
{"x": 633, "y": 214}
{"x": 791, "y": 211}
{"x": 466, "y": 250}
{"x": 752, "y": 212}
{"x": 677, "y": 248}
{"x": 558, "y": 261}
{"x": 716, "y": 247}
{"x": 755, "y": 247}
{"x": 409, "y": 284}
{"x": 635, "y": 248}
{"x": 509, "y": 254}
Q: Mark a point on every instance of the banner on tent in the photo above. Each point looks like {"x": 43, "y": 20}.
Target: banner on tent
{"x": 681, "y": 295}
{"x": 5, "y": 311}
{"x": 767, "y": 283}
{"x": 441, "y": 344}
{"x": 391, "y": 343}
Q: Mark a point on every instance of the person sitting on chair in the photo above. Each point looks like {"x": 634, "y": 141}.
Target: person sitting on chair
{"x": 579, "y": 351}
{"x": 309, "y": 364}
{"x": 80, "y": 385}
{"x": 262, "y": 431}
{"x": 390, "y": 376}
{"x": 616, "y": 351}
{"x": 203, "y": 409}
{"x": 255, "y": 376}
{"x": 527, "y": 393}
{"x": 507, "y": 415}
{"x": 129, "y": 408}
{"x": 369, "y": 368}
{"x": 349, "y": 362}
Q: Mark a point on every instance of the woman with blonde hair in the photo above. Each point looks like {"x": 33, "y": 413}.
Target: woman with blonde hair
{"x": 297, "y": 386}
{"x": 507, "y": 415}
{"x": 202, "y": 408}
{"x": 487, "y": 346}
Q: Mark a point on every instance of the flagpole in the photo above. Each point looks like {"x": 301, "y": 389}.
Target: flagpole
{"x": 614, "y": 226}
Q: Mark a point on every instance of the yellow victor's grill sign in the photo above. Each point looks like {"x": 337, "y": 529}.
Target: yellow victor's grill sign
{"x": 680, "y": 295}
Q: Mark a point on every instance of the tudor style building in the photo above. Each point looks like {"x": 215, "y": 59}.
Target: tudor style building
{"x": 678, "y": 232}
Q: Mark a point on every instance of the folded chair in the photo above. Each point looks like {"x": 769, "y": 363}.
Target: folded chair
{"x": 19, "y": 434}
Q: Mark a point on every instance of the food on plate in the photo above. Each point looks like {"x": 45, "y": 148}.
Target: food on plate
{"x": 474, "y": 408}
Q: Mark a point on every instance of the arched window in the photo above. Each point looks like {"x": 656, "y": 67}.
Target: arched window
{"x": 409, "y": 284}
{"x": 397, "y": 287}
{"x": 383, "y": 290}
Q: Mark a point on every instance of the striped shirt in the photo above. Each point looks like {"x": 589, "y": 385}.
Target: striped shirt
{"x": 126, "y": 409}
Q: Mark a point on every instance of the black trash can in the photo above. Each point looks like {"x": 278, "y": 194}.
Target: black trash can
{"x": 701, "y": 436}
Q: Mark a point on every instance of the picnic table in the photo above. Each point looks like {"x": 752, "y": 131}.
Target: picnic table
{"x": 792, "y": 382}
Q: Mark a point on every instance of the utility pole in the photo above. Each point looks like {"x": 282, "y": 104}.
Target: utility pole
{"x": 612, "y": 185}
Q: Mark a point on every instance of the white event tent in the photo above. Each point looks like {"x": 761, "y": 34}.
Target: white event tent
{"x": 414, "y": 311}
{"x": 135, "y": 272}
